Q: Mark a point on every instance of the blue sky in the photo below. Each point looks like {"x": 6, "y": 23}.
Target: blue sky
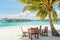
{"x": 11, "y": 8}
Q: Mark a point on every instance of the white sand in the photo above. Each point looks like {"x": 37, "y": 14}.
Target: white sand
{"x": 14, "y": 33}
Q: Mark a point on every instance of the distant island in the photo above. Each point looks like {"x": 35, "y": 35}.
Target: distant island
{"x": 9, "y": 20}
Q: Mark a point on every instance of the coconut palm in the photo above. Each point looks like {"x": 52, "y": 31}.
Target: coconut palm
{"x": 43, "y": 8}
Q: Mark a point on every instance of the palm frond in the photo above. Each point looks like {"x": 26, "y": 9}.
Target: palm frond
{"x": 54, "y": 1}
{"x": 42, "y": 14}
{"x": 54, "y": 15}
{"x": 30, "y": 1}
{"x": 32, "y": 7}
{"x": 25, "y": 1}
{"x": 59, "y": 4}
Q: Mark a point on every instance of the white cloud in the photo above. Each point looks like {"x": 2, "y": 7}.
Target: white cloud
{"x": 21, "y": 15}
{"x": 25, "y": 15}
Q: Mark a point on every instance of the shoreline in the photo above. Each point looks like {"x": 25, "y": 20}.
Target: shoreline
{"x": 14, "y": 32}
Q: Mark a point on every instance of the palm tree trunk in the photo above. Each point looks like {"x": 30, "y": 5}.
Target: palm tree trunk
{"x": 53, "y": 30}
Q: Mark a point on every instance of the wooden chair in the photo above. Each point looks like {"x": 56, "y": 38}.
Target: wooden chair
{"x": 40, "y": 30}
{"x": 24, "y": 33}
{"x": 33, "y": 31}
{"x": 45, "y": 31}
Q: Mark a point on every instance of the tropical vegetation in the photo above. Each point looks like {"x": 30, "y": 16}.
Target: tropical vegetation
{"x": 43, "y": 8}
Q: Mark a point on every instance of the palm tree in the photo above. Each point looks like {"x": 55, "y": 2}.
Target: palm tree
{"x": 43, "y": 8}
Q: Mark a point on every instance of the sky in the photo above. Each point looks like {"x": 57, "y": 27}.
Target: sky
{"x": 13, "y": 9}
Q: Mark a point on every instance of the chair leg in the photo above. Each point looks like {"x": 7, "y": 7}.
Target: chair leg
{"x": 40, "y": 33}
{"x": 37, "y": 35}
{"x": 47, "y": 34}
{"x": 44, "y": 33}
{"x": 31, "y": 36}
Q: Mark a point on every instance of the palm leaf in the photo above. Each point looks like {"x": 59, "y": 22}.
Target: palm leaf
{"x": 54, "y": 15}
{"x": 54, "y": 1}
{"x": 42, "y": 14}
{"x": 31, "y": 8}
{"x": 36, "y": 2}
{"x": 25, "y": 1}
{"x": 30, "y": 1}
{"x": 59, "y": 4}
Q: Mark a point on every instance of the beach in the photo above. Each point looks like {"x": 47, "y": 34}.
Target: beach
{"x": 15, "y": 33}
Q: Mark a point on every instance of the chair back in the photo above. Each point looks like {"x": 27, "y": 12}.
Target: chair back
{"x": 46, "y": 29}
{"x": 34, "y": 30}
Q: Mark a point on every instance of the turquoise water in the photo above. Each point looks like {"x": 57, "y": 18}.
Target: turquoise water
{"x": 26, "y": 23}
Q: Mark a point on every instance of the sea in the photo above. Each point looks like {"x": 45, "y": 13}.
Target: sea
{"x": 27, "y": 23}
